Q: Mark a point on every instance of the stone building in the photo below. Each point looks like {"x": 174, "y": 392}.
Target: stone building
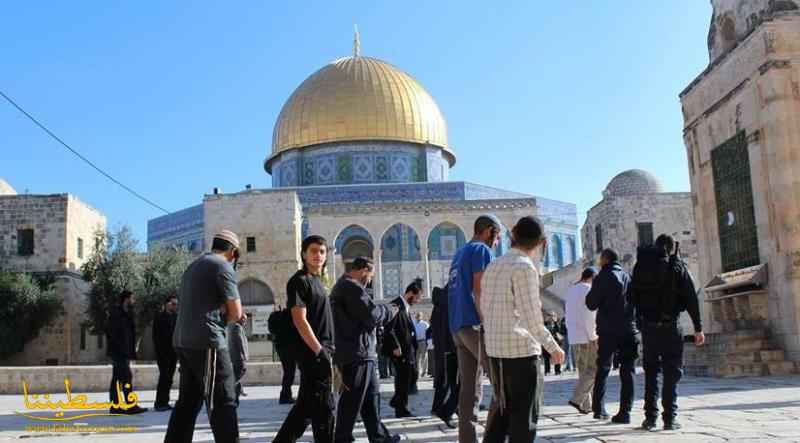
{"x": 52, "y": 234}
{"x": 360, "y": 155}
{"x": 742, "y": 136}
{"x": 635, "y": 210}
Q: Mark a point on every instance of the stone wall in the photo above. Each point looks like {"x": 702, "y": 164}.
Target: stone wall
{"x": 50, "y": 379}
{"x": 754, "y": 88}
{"x": 57, "y": 221}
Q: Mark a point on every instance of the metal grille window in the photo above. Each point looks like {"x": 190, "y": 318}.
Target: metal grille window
{"x": 25, "y": 241}
{"x": 645, "y": 233}
{"x": 733, "y": 190}
{"x": 80, "y": 248}
{"x": 251, "y": 244}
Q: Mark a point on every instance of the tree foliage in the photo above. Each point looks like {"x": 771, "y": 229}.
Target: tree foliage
{"x": 26, "y": 306}
{"x": 116, "y": 265}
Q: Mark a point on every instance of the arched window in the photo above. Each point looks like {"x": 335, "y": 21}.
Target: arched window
{"x": 598, "y": 237}
{"x": 255, "y": 293}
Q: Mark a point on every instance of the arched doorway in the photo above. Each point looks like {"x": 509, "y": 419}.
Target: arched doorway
{"x": 353, "y": 241}
{"x": 400, "y": 259}
{"x": 443, "y": 243}
{"x": 258, "y": 302}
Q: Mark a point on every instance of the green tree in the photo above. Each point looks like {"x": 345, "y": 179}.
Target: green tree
{"x": 114, "y": 265}
{"x": 162, "y": 269}
{"x": 26, "y": 306}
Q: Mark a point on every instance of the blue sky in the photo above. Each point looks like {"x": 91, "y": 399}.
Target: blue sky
{"x": 174, "y": 98}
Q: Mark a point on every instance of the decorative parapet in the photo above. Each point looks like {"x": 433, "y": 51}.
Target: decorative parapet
{"x": 739, "y": 299}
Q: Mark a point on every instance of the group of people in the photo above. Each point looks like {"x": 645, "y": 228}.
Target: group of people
{"x": 487, "y": 320}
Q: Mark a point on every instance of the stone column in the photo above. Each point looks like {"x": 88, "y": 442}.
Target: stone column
{"x": 333, "y": 264}
{"x": 427, "y": 265}
{"x": 378, "y": 283}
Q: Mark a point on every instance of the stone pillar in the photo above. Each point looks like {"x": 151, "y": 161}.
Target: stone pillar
{"x": 427, "y": 267}
{"x": 333, "y": 264}
{"x": 378, "y": 283}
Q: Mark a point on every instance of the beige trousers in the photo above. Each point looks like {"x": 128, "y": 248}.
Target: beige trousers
{"x": 585, "y": 356}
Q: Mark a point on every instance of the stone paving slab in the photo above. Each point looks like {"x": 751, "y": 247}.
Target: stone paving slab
{"x": 712, "y": 410}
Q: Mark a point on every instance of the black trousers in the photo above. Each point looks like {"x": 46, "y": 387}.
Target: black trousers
{"x": 361, "y": 394}
{"x": 120, "y": 374}
{"x": 223, "y": 419}
{"x": 546, "y": 356}
{"x": 384, "y": 366}
{"x": 663, "y": 353}
{"x": 519, "y": 390}
{"x": 314, "y": 401}
{"x": 289, "y": 365}
{"x": 166, "y": 375}
{"x": 446, "y": 385}
{"x": 628, "y": 348}
{"x": 403, "y": 377}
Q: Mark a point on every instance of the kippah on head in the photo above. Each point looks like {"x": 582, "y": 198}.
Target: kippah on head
{"x": 588, "y": 272}
{"x": 228, "y": 236}
{"x": 487, "y": 221}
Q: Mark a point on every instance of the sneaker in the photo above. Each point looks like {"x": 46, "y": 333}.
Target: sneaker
{"x": 621, "y": 419}
{"x": 672, "y": 425}
{"x": 394, "y": 439}
{"x": 578, "y": 407}
{"x": 649, "y": 424}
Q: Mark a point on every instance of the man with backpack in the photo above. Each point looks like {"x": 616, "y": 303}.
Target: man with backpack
{"x": 662, "y": 289}
{"x": 285, "y": 337}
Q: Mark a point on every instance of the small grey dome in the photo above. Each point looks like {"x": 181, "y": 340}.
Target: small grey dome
{"x": 6, "y": 189}
{"x": 633, "y": 182}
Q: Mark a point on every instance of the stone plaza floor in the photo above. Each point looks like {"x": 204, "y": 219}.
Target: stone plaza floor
{"x": 712, "y": 410}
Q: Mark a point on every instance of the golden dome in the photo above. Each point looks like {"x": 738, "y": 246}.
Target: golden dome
{"x": 359, "y": 98}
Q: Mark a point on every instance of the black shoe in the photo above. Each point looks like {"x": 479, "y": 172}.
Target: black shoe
{"x": 448, "y": 421}
{"x": 286, "y": 401}
{"x": 578, "y": 407}
{"x": 162, "y": 408}
{"x": 393, "y": 403}
{"x": 404, "y": 414}
{"x": 672, "y": 425}
{"x": 621, "y": 419}
{"x": 393, "y": 439}
{"x": 134, "y": 411}
{"x": 649, "y": 424}
{"x": 601, "y": 416}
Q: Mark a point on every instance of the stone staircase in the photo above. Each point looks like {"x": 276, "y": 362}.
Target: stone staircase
{"x": 743, "y": 353}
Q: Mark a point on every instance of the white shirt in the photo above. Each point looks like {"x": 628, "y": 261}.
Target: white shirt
{"x": 421, "y": 327}
{"x": 512, "y": 308}
{"x": 581, "y": 326}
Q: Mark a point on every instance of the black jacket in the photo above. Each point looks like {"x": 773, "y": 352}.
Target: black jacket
{"x": 355, "y": 318}
{"x": 163, "y": 327}
{"x": 440, "y": 323}
{"x": 121, "y": 334}
{"x": 610, "y": 296}
{"x": 401, "y": 333}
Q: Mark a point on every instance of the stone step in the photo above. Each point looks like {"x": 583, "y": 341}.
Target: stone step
{"x": 755, "y": 369}
{"x": 759, "y": 356}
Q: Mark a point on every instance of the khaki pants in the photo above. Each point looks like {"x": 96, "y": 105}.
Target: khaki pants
{"x": 422, "y": 357}
{"x": 585, "y": 356}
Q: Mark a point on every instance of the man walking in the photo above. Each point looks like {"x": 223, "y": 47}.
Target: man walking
{"x": 582, "y": 329}
{"x": 515, "y": 335}
{"x": 421, "y": 329}
{"x": 464, "y": 296}
{"x": 400, "y": 342}
{"x": 445, "y": 378}
{"x": 662, "y": 289}
{"x": 610, "y": 296}
{"x": 207, "y": 285}
{"x": 286, "y": 341}
{"x": 310, "y": 307}
{"x": 355, "y": 317}
{"x": 167, "y": 360}
{"x": 122, "y": 349}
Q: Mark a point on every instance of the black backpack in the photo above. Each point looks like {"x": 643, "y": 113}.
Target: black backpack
{"x": 656, "y": 292}
{"x": 282, "y": 327}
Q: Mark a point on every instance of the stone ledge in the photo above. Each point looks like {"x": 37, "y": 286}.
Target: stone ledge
{"x": 50, "y": 379}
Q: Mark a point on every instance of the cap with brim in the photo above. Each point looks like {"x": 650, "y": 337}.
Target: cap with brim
{"x": 228, "y": 236}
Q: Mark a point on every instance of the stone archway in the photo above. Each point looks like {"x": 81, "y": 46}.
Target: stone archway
{"x": 258, "y": 302}
{"x": 444, "y": 240}
{"x": 353, "y": 241}
{"x": 401, "y": 259}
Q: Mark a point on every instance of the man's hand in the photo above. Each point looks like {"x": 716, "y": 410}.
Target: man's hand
{"x": 398, "y": 353}
{"x": 699, "y": 338}
{"x": 557, "y": 357}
